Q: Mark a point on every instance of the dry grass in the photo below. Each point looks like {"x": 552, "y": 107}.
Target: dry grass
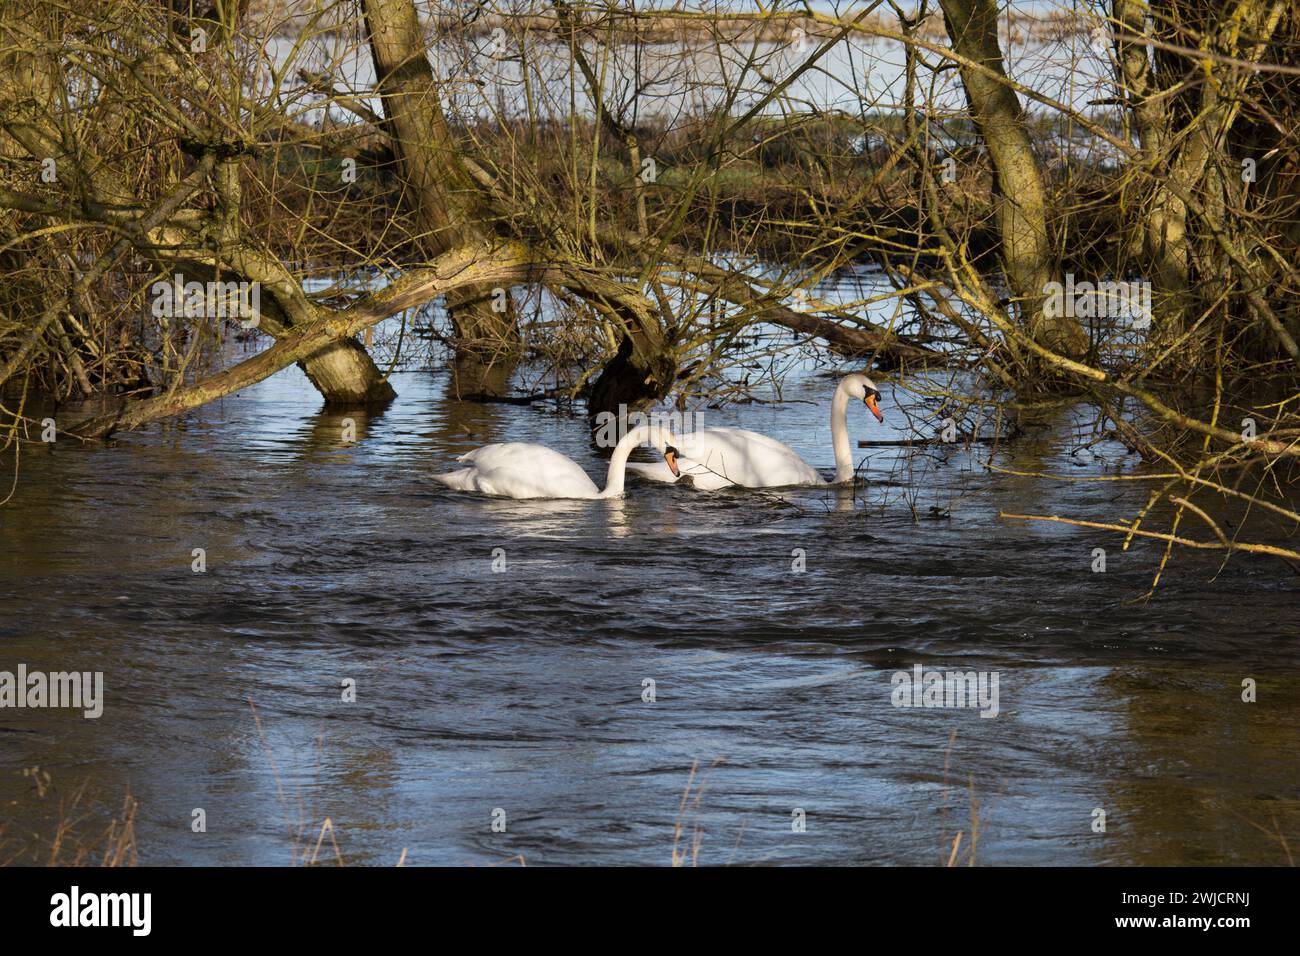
{"x": 69, "y": 830}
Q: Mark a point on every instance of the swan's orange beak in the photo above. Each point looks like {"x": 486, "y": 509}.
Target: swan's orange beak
{"x": 875, "y": 409}
{"x": 670, "y": 456}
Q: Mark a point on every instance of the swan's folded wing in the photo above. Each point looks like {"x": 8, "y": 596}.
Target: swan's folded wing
{"x": 461, "y": 480}
{"x": 484, "y": 454}
{"x": 743, "y": 457}
{"x": 520, "y": 470}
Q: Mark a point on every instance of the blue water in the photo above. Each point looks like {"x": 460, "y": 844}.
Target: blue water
{"x": 522, "y": 690}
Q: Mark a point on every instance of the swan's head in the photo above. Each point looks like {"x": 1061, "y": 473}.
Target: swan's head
{"x": 861, "y": 387}
{"x": 657, "y": 435}
{"x": 670, "y": 455}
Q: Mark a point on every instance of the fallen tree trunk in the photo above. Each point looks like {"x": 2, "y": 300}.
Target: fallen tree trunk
{"x": 344, "y": 373}
{"x": 457, "y": 270}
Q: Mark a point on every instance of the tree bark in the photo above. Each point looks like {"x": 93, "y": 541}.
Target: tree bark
{"x": 343, "y": 372}
{"x": 1019, "y": 194}
{"x": 450, "y": 273}
{"x": 1163, "y": 227}
{"x": 444, "y": 197}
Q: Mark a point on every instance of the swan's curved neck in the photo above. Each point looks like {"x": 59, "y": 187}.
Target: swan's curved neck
{"x": 618, "y": 461}
{"x": 840, "y": 434}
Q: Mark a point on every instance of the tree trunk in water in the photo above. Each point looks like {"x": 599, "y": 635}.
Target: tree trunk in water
{"x": 445, "y": 198}
{"x": 343, "y": 371}
{"x": 631, "y": 380}
{"x": 1018, "y": 190}
{"x": 345, "y": 374}
{"x": 1164, "y": 225}
{"x": 462, "y": 268}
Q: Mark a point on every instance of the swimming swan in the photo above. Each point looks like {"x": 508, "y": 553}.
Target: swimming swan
{"x": 721, "y": 457}
{"x": 525, "y": 470}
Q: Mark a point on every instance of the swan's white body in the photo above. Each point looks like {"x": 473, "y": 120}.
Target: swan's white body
{"x": 525, "y": 470}
{"x": 722, "y": 457}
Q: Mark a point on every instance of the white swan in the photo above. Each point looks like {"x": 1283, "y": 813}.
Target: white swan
{"x": 721, "y": 457}
{"x": 525, "y": 470}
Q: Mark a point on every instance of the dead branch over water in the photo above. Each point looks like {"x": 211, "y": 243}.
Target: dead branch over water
{"x": 672, "y": 186}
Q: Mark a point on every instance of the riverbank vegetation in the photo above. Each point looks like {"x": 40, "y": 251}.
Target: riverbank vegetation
{"x": 632, "y": 197}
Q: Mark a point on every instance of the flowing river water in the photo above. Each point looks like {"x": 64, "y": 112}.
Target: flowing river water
{"x": 500, "y": 650}
{"x": 515, "y": 693}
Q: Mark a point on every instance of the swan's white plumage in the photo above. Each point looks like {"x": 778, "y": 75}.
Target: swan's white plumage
{"x": 524, "y": 470}
{"x": 722, "y": 457}
{"x": 520, "y": 470}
